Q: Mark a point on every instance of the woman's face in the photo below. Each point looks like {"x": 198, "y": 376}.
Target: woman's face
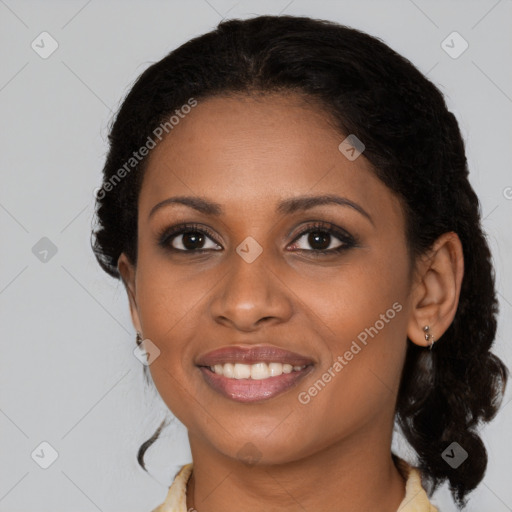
{"x": 262, "y": 279}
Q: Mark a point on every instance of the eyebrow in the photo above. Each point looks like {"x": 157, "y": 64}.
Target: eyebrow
{"x": 285, "y": 207}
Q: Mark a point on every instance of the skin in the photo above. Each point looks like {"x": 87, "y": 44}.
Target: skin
{"x": 247, "y": 154}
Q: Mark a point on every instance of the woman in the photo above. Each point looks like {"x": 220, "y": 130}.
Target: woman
{"x": 287, "y": 203}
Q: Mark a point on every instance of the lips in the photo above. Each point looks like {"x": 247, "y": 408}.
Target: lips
{"x": 247, "y": 389}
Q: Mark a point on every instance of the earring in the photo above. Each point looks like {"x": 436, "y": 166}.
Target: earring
{"x": 428, "y": 336}
{"x": 138, "y": 338}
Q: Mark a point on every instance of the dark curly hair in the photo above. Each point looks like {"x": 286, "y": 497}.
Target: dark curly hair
{"x": 415, "y": 147}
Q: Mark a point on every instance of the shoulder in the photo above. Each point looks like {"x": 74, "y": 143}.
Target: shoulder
{"x": 176, "y": 499}
{"x": 416, "y": 498}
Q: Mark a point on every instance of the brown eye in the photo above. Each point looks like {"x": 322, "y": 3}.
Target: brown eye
{"x": 319, "y": 241}
{"x": 187, "y": 239}
{"x": 191, "y": 240}
{"x": 322, "y": 239}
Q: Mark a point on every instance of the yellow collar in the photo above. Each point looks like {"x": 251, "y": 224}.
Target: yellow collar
{"x": 415, "y": 500}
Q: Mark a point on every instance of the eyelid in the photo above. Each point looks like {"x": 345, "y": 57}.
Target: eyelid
{"x": 167, "y": 234}
{"x": 328, "y": 227}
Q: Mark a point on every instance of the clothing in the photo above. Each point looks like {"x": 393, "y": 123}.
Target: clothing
{"x": 415, "y": 500}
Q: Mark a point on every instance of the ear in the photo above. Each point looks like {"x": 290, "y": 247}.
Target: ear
{"x": 436, "y": 289}
{"x": 127, "y": 270}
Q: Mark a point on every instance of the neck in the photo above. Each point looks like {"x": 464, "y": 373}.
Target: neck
{"x": 349, "y": 476}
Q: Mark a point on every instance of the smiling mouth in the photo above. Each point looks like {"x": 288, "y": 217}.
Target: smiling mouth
{"x": 252, "y": 373}
{"x": 253, "y": 382}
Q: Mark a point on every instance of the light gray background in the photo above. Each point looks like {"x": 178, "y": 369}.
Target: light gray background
{"x": 68, "y": 374}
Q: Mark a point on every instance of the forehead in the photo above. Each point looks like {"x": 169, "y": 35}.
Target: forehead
{"x": 249, "y": 150}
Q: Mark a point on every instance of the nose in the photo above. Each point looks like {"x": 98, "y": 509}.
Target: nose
{"x": 251, "y": 295}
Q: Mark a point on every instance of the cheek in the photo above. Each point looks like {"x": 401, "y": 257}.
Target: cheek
{"x": 169, "y": 294}
{"x": 170, "y": 302}
{"x": 371, "y": 288}
{"x": 361, "y": 314}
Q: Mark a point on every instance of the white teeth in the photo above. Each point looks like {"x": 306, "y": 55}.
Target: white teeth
{"x": 242, "y": 371}
{"x": 228, "y": 370}
{"x": 275, "y": 369}
{"x": 259, "y": 371}
{"x": 256, "y": 371}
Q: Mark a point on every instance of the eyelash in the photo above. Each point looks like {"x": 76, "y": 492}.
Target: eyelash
{"x": 166, "y": 235}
